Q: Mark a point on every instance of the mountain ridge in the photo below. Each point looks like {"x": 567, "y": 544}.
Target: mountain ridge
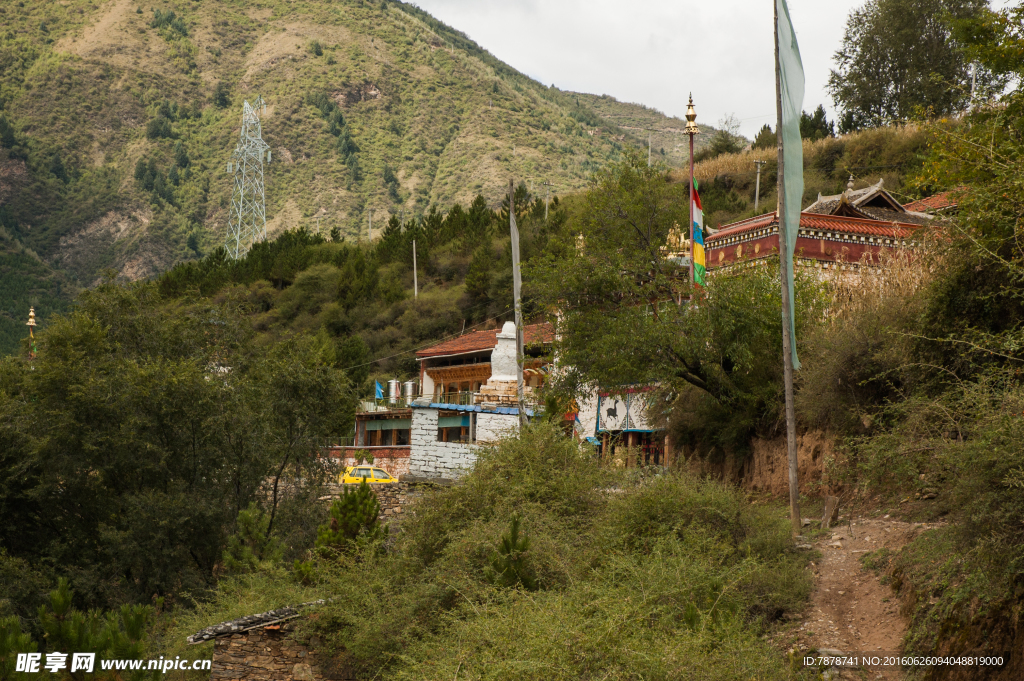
{"x": 120, "y": 119}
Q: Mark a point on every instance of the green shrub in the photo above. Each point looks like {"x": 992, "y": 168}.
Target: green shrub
{"x": 353, "y": 519}
{"x": 252, "y": 542}
{"x": 607, "y": 590}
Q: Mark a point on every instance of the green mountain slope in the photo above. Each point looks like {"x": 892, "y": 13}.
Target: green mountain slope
{"x": 117, "y": 121}
{"x": 667, "y": 141}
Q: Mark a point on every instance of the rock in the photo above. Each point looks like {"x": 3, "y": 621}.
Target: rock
{"x": 836, "y": 545}
{"x": 303, "y": 672}
{"x": 804, "y": 547}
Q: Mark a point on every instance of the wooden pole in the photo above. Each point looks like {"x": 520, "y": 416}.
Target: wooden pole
{"x": 691, "y": 210}
{"x": 787, "y": 354}
{"x": 517, "y": 283}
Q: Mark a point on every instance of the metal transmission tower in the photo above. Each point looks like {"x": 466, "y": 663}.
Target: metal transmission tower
{"x": 247, "y": 222}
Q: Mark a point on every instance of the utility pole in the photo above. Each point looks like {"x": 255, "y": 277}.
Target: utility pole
{"x": 517, "y": 283}
{"x": 757, "y": 185}
{"x": 547, "y": 198}
{"x": 691, "y": 129}
{"x": 648, "y": 150}
{"x": 415, "y": 283}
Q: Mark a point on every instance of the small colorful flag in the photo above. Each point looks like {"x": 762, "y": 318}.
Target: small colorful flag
{"x": 699, "y": 260}
{"x": 379, "y": 392}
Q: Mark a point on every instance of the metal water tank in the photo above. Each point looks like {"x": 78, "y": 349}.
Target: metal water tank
{"x": 394, "y": 390}
{"x": 409, "y": 390}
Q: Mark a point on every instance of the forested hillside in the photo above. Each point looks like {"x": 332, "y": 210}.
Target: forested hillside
{"x": 117, "y": 121}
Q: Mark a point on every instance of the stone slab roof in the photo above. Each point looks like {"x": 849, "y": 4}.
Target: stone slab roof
{"x": 479, "y": 341}
{"x": 249, "y": 622}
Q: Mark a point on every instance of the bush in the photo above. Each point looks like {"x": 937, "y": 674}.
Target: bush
{"x": 701, "y": 571}
{"x": 252, "y": 543}
{"x": 353, "y": 519}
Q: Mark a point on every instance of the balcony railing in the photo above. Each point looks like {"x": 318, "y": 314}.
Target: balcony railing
{"x": 462, "y": 398}
{"x": 371, "y": 404}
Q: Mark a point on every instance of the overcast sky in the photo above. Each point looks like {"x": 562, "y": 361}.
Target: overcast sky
{"x": 656, "y": 52}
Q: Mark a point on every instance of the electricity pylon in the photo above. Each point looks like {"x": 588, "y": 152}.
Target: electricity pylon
{"x": 247, "y": 221}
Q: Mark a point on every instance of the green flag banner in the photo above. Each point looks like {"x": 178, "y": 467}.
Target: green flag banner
{"x": 791, "y": 90}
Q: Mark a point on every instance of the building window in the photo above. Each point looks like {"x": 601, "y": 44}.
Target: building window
{"x": 401, "y": 437}
{"x": 461, "y": 428}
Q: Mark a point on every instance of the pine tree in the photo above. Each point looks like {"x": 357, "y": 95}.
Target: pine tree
{"x": 478, "y": 278}
{"x": 12, "y": 642}
{"x": 180, "y": 155}
{"x": 251, "y": 544}
{"x": 509, "y": 567}
{"x": 353, "y": 518}
{"x": 765, "y": 138}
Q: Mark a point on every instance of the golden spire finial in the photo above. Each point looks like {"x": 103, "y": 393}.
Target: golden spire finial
{"x": 31, "y": 318}
{"x": 691, "y": 117}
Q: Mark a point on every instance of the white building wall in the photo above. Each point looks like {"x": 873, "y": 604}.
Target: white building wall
{"x": 429, "y": 458}
{"x": 492, "y": 427}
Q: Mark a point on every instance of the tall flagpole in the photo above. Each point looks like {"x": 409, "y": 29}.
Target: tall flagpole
{"x": 787, "y": 313}
{"x": 517, "y": 283}
{"x": 691, "y": 130}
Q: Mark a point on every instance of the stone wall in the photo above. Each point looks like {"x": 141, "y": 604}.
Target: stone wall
{"x": 393, "y": 459}
{"x": 394, "y": 497}
{"x": 267, "y": 654}
{"x": 432, "y": 459}
{"x": 491, "y": 427}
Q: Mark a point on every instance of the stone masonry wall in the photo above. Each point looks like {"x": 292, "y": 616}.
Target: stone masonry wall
{"x": 491, "y": 427}
{"x": 268, "y": 654}
{"x": 394, "y": 497}
{"x": 433, "y": 459}
{"x": 394, "y": 459}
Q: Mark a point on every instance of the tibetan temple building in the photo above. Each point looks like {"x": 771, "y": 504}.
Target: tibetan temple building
{"x": 835, "y": 231}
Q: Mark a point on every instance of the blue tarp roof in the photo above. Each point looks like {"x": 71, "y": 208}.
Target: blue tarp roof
{"x": 511, "y": 411}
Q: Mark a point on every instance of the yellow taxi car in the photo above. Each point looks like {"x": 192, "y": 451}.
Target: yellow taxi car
{"x": 354, "y": 475}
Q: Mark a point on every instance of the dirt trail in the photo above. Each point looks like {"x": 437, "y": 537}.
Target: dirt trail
{"x": 851, "y": 610}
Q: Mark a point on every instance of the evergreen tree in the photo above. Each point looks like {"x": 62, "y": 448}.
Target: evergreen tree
{"x": 815, "y": 126}
{"x": 12, "y": 642}
{"x": 478, "y": 278}
{"x": 221, "y": 96}
{"x": 765, "y": 138}
{"x": 252, "y": 543}
{"x": 57, "y": 168}
{"x": 180, "y": 155}
{"x": 509, "y": 567}
{"x": 7, "y": 138}
{"x": 353, "y": 519}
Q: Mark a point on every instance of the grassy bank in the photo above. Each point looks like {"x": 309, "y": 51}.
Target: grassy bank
{"x": 624, "y": 576}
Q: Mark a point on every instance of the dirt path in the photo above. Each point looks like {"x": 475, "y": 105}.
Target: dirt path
{"x": 851, "y": 610}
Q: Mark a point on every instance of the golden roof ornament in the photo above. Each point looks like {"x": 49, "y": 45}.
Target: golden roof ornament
{"x": 691, "y": 117}
{"x": 31, "y": 317}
